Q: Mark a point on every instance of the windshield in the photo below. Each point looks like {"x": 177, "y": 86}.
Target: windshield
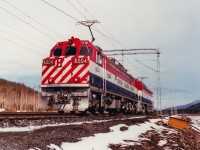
{"x": 86, "y": 51}
{"x": 57, "y": 52}
{"x": 70, "y": 50}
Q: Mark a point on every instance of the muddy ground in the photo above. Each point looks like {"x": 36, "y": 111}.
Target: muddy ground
{"x": 181, "y": 140}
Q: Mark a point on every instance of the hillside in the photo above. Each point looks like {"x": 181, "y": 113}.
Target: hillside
{"x": 191, "y": 108}
{"x": 188, "y": 105}
{"x": 18, "y": 97}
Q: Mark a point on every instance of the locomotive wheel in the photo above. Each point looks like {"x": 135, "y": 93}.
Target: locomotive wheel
{"x": 72, "y": 112}
{"x": 101, "y": 110}
{"x": 61, "y": 112}
{"x": 84, "y": 113}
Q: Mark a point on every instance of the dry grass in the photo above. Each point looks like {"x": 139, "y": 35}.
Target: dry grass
{"x": 18, "y": 97}
{"x": 22, "y": 102}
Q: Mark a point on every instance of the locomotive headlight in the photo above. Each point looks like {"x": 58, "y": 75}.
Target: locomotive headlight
{"x": 50, "y": 80}
{"x": 59, "y": 60}
{"x": 76, "y": 79}
{"x": 59, "y": 64}
{"x": 94, "y": 96}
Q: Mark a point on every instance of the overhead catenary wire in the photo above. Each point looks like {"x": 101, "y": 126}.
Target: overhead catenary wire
{"x": 88, "y": 19}
{"x": 77, "y": 9}
{"x": 112, "y": 37}
{"x": 21, "y": 31}
{"x": 67, "y": 14}
{"x": 146, "y": 66}
{"x": 60, "y": 10}
{"x": 18, "y": 37}
{"x": 93, "y": 16}
{"x": 38, "y": 22}
{"x": 28, "y": 24}
{"x": 141, "y": 73}
{"x": 21, "y": 56}
{"x": 20, "y": 45}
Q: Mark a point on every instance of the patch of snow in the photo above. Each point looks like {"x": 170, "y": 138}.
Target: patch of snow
{"x": 195, "y": 122}
{"x": 2, "y": 110}
{"x": 117, "y": 127}
{"x": 53, "y": 147}
{"x": 35, "y": 148}
{"x": 162, "y": 142}
{"x": 31, "y": 128}
{"x": 170, "y": 131}
{"x": 165, "y": 120}
{"x": 28, "y": 128}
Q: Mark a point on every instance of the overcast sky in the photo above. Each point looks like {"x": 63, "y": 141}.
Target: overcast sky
{"x": 29, "y": 29}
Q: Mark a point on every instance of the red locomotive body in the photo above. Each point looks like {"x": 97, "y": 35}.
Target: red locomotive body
{"x": 80, "y": 77}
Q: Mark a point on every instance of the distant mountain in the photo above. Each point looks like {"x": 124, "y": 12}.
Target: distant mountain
{"x": 193, "y": 107}
{"x": 188, "y": 105}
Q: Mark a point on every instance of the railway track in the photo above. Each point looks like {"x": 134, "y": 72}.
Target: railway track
{"x": 46, "y": 115}
{"x": 34, "y": 115}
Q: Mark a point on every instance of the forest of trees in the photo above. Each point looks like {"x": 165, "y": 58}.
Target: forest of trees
{"x": 18, "y": 97}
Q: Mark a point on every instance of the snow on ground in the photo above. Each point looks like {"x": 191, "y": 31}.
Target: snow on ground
{"x": 31, "y": 128}
{"x": 102, "y": 140}
{"x": 195, "y": 122}
{"x": 162, "y": 142}
{"x": 2, "y": 110}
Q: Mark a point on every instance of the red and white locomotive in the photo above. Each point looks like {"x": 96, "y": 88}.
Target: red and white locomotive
{"x": 78, "y": 76}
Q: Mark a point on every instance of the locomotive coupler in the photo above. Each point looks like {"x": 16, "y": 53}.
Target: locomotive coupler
{"x": 63, "y": 100}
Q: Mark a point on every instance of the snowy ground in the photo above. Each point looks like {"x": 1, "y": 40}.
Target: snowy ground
{"x": 195, "y": 122}
{"x": 2, "y": 110}
{"x": 131, "y": 135}
{"x": 101, "y": 141}
{"x": 31, "y": 128}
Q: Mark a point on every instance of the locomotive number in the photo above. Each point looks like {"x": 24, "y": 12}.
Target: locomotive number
{"x": 80, "y": 60}
{"x": 48, "y": 62}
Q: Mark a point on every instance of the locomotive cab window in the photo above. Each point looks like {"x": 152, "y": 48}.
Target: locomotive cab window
{"x": 70, "y": 50}
{"x": 86, "y": 51}
{"x": 57, "y": 52}
{"x": 99, "y": 59}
